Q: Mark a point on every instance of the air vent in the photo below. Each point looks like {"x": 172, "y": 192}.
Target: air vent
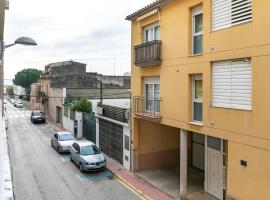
{"x": 241, "y": 11}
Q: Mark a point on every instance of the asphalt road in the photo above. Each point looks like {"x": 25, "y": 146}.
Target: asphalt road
{"x": 40, "y": 173}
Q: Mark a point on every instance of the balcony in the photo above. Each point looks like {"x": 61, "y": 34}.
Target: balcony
{"x": 148, "y": 54}
{"x": 147, "y": 108}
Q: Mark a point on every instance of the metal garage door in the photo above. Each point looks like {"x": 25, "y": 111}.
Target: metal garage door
{"x": 111, "y": 139}
{"x": 89, "y": 127}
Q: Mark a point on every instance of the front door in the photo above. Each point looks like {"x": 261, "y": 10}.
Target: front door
{"x": 215, "y": 173}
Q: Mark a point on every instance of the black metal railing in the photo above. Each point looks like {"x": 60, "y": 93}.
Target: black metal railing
{"x": 148, "y": 54}
{"x": 146, "y": 107}
{"x": 116, "y": 113}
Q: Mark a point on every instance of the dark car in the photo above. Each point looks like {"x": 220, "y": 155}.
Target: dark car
{"x": 37, "y": 116}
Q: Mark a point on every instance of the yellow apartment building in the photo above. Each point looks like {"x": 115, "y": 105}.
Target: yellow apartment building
{"x": 201, "y": 91}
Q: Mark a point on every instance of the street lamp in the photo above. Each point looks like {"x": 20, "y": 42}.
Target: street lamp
{"x": 27, "y": 41}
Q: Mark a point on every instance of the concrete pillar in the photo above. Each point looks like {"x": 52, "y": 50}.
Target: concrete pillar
{"x": 183, "y": 163}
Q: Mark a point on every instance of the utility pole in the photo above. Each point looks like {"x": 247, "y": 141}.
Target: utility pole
{"x": 101, "y": 93}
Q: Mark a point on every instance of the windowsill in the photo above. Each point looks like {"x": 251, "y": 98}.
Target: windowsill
{"x": 196, "y": 123}
{"x": 195, "y": 55}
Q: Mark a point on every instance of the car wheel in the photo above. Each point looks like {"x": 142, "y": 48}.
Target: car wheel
{"x": 81, "y": 168}
{"x": 58, "y": 150}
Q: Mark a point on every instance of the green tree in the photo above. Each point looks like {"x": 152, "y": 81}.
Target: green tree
{"x": 26, "y": 77}
{"x": 83, "y": 105}
{"x": 10, "y": 90}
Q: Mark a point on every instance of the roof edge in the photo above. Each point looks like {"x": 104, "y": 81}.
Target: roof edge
{"x": 148, "y": 8}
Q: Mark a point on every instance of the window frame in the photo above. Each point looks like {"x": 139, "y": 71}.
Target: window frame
{"x": 196, "y": 11}
{"x": 147, "y": 28}
{"x": 153, "y": 81}
{"x": 196, "y": 77}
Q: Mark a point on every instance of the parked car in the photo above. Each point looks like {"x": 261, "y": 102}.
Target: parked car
{"x": 18, "y": 104}
{"x": 62, "y": 141}
{"x": 87, "y": 156}
{"x": 37, "y": 116}
{"x": 12, "y": 101}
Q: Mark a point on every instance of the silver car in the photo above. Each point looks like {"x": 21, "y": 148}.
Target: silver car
{"x": 87, "y": 156}
{"x": 62, "y": 141}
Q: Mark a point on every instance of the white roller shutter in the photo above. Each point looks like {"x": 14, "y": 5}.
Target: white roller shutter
{"x": 232, "y": 84}
{"x": 227, "y": 13}
{"x": 221, "y": 14}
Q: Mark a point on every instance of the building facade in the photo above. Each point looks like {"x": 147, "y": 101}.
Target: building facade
{"x": 199, "y": 70}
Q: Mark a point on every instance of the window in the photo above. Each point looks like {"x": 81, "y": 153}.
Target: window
{"x": 152, "y": 94}
{"x": 232, "y": 84}
{"x": 197, "y": 30}
{"x": 197, "y": 95}
{"x": 152, "y": 33}
{"x": 228, "y": 13}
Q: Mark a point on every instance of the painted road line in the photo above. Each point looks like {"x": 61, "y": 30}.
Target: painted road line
{"x": 100, "y": 176}
{"x": 64, "y": 159}
{"x": 133, "y": 189}
{"x": 79, "y": 177}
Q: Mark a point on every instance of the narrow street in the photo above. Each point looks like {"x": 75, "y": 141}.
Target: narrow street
{"x": 39, "y": 172}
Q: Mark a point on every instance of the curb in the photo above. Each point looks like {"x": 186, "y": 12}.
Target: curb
{"x": 130, "y": 186}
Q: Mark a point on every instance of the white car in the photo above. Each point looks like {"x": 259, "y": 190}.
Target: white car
{"x": 19, "y": 104}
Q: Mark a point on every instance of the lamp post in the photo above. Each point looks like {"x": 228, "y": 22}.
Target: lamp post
{"x": 23, "y": 41}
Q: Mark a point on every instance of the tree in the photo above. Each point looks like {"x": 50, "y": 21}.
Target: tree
{"x": 26, "y": 77}
{"x": 83, "y": 105}
{"x": 9, "y": 90}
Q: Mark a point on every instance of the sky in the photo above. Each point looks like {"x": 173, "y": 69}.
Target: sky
{"x": 92, "y": 32}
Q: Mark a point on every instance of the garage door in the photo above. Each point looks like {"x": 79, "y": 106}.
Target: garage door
{"x": 89, "y": 127}
{"x": 111, "y": 139}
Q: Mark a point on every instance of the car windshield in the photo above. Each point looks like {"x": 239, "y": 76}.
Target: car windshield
{"x": 89, "y": 150}
{"x": 66, "y": 137}
{"x": 38, "y": 114}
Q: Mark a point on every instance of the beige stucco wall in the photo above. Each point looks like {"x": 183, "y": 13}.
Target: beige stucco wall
{"x": 55, "y": 99}
{"x": 250, "y": 128}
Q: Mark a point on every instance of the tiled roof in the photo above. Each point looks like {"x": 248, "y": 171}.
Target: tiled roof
{"x": 148, "y": 8}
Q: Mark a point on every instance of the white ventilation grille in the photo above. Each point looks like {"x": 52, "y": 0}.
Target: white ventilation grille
{"x": 227, "y": 13}
{"x": 241, "y": 11}
{"x": 232, "y": 84}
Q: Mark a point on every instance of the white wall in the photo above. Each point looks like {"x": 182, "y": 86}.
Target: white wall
{"x": 78, "y": 116}
{"x": 68, "y": 124}
{"x": 121, "y": 103}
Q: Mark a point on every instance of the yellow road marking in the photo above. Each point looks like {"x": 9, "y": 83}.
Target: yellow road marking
{"x": 132, "y": 188}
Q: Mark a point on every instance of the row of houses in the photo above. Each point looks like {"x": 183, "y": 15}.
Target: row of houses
{"x": 198, "y": 99}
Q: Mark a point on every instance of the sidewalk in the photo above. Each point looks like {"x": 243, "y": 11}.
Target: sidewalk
{"x": 139, "y": 185}
{"x": 6, "y": 188}
{"x": 144, "y": 188}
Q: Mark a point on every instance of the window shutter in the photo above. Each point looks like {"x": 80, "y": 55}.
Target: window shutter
{"x": 227, "y": 13}
{"x": 241, "y": 85}
{"x": 221, "y": 14}
{"x": 221, "y": 84}
{"x": 232, "y": 84}
{"x": 241, "y": 11}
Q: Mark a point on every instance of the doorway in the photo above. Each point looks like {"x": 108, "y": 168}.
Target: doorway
{"x": 215, "y": 167}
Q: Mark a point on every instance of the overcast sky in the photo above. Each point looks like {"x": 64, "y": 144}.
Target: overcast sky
{"x": 92, "y": 32}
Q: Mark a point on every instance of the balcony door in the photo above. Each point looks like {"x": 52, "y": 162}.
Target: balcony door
{"x": 152, "y": 94}
{"x": 152, "y": 33}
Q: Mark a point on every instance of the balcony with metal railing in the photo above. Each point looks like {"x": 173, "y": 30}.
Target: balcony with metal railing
{"x": 148, "y": 54}
{"x": 147, "y": 108}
